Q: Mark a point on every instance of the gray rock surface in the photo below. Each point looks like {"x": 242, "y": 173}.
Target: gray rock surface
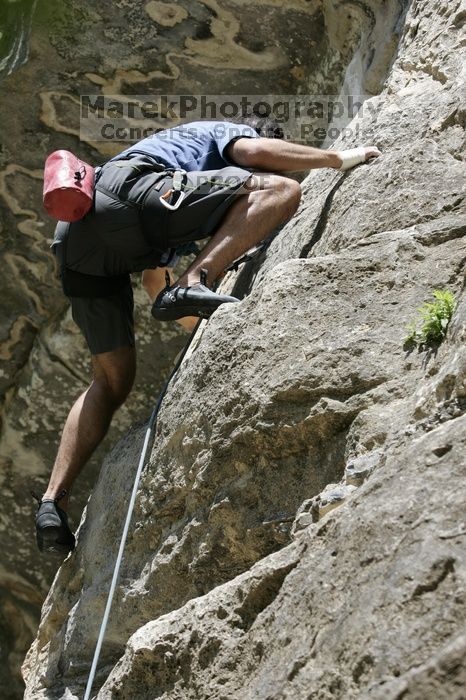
{"x": 284, "y": 392}
{"x": 344, "y": 612}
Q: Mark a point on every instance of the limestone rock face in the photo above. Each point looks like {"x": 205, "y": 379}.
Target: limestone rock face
{"x": 346, "y": 611}
{"x": 221, "y": 595}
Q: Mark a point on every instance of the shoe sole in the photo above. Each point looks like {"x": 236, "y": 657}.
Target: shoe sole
{"x": 47, "y": 541}
{"x": 174, "y": 314}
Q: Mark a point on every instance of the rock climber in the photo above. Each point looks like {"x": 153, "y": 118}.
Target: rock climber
{"x": 218, "y": 180}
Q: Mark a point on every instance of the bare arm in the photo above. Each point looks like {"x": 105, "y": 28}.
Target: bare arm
{"x": 276, "y": 155}
{"x": 153, "y": 282}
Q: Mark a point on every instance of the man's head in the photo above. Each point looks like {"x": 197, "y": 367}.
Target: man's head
{"x": 264, "y": 126}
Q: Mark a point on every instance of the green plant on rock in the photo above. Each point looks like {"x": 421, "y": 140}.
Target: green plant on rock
{"x": 436, "y": 316}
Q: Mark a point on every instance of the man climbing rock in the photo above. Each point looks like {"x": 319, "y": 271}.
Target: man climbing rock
{"x": 215, "y": 180}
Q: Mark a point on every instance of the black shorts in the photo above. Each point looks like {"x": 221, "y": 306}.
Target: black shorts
{"x": 109, "y": 243}
{"x": 105, "y": 322}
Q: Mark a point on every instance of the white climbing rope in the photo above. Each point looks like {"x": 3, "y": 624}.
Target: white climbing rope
{"x": 129, "y": 515}
{"x": 116, "y": 571}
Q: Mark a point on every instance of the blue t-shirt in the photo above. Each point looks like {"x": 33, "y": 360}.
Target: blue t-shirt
{"x": 193, "y": 146}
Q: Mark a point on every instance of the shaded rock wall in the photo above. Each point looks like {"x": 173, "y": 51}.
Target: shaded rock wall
{"x": 303, "y": 384}
{"x": 15, "y": 27}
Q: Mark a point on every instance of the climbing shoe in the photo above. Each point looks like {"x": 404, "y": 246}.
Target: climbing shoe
{"x": 52, "y": 529}
{"x": 175, "y": 302}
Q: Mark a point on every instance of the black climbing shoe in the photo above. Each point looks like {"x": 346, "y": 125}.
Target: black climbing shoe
{"x": 175, "y": 302}
{"x": 52, "y": 529}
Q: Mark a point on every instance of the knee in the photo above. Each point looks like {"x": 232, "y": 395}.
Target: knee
{"x": 120, "y": 390}
{"x": 116, "y": 379}
{"x": 116, "y": 389}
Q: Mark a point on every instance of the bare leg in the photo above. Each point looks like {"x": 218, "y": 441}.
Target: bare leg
{"x": 90, "y": 417}
{"x": 269, "y": 201}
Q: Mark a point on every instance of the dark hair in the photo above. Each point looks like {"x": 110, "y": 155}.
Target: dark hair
{"x": 264, "y": 126}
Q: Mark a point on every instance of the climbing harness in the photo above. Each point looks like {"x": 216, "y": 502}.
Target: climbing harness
{"x": 150, "y": 429}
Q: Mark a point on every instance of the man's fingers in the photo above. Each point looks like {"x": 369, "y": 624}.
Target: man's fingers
{"x": 372, "y": 152}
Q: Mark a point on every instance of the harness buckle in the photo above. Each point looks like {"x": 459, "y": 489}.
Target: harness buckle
{"x": 176, "y": 189}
